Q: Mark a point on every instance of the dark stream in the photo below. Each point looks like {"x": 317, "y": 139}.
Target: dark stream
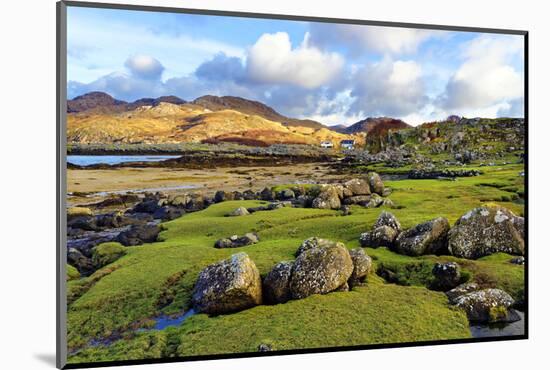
{"x": 499, "y": 330}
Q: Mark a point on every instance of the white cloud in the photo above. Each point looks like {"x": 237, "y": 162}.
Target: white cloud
{"x": 272, "y": 60}
{"x": 106, "y": 44}
{"x": 392, "y": 88}
{"x": 487, "y": 77}
{"x": 144, "y": 66}
{"x": 382, "y": 40}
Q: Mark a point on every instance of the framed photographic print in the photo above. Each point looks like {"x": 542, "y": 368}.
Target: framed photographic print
{"x": 235, "y": 184}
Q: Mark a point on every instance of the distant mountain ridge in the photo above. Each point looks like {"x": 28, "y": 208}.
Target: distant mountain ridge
{"x": 102, "y": 102}
{"x": 105, "y": 103}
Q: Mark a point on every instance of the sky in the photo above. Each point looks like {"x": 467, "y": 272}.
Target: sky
{"x": 332, "y": 73}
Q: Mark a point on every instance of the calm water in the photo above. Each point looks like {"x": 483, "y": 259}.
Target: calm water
{"x": 87, "y": 160}
{"x": 499, "y": 330}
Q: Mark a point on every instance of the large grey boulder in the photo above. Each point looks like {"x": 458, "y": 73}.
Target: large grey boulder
{"x": 139, "y": 234}
{"x": 362, "y": 265}
{"x": 426, "y": 238}
{"x": 227, "y": 286}
{"x": 356, "y": 187}
{"x": 487, "y": 305}
{"x": 487, "y": 230}
{"x": 376, "y": 183}
{"x": 320, "y": 270}
{"x": 328, "y": 198}
{"x": 276, "y": 284}
{"x": 382, "y": 236}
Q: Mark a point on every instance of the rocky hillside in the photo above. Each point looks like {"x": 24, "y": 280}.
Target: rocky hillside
{"x": 96, "y": 119}
{"x": 465, "y": 139}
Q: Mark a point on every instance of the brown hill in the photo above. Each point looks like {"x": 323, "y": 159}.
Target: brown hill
{"x": 246, "y": 106}
{"x": 376, "y": 126}
{"x": 172, "y": 123}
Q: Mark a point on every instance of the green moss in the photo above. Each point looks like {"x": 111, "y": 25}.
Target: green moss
{"x": 72, "y": 273}
{"x": 497, "y": 313}
{"x": 107, "y": 253}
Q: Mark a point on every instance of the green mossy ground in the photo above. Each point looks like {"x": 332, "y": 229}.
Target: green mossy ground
{"x": 158, "y": 279}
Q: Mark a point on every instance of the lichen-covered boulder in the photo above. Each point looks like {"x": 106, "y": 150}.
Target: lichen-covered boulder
{"x": 362, "y": 265}
{"x": 227, "y": 286}
{"x": 387, "y": 219}
{"x": 384, "y": 232}
{"x": 357, "y": 187}
{"x": 241, "y": 211}
{"x": 487, "y": 230}
{"x": 328, "y": 198}
{"x": 375, "y": 182}
{"x": 461, "y": 290}
{"x": 320, "y": 270}
{"x": 276, "y": 284}
{"x": 446, "y": 276}
{"x": 486, "y": 306}
{"x": 426, "y": 238}
{"x": 382, "y": 236}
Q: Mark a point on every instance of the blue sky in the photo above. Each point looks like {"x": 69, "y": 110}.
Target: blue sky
{"x": 336, "y": 74}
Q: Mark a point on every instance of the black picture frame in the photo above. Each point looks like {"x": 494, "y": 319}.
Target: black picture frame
{"x": 61, "y": 165}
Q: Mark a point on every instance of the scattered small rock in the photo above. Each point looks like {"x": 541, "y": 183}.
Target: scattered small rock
{"x": 241, "y": 211}
{"x": 236, "y": 241}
